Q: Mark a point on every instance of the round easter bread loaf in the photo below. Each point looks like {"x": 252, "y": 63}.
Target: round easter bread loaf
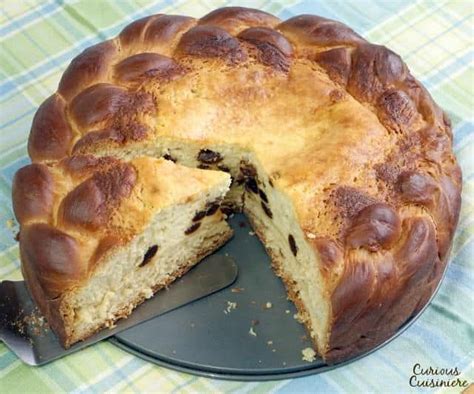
{"x": 338, "y": 155}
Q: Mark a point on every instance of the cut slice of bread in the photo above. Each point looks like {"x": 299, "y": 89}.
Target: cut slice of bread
{"x": 99, "y": 236}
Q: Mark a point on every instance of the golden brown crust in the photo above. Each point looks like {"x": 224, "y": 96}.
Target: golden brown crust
{"x": 105, "y": 102}
{"x": 138, "y": 68}
{"x": 90, "y": 67}
{"x": 273, "y": 48}
{"x": 374, "y": 298}
{"x": 89, "y": 204}
{"x": 210, "y": 42}
{"x": 165, "y": 29}
{"x": 234, "y": 19}
{"x": 374, "y": 228}
{"x": 306, "y": 95}
{"x": 133, "y": 33}
{"x": 32, "y": 193}
{"x": 53, "y": 256}
{"x": 51, "y": 308}
{"x": 318, "y": 31}
{"x": 51, "y": 135}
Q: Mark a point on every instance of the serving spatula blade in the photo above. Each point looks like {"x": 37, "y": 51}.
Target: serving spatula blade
{"x": 23, "y": 329}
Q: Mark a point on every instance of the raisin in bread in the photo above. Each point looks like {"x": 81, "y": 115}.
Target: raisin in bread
{"x": 100, "y": 235}
{"x": 338, "y": 155}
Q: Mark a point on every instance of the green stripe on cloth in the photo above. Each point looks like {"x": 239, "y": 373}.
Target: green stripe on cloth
{"x": 37, "y": 41}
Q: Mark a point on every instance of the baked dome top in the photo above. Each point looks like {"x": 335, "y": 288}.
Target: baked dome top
{"x": 339, "y": 125}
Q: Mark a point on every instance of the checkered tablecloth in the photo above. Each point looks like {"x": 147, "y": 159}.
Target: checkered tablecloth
{"x": 435, "y": 38}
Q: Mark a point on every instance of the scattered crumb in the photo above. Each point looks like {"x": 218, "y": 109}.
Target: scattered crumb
{"x": 287, "y": 311}
{"x": 242, "y": 224}
{"x": 255, "y": 322}
{"x": 303, "y": 337}
{"x": 309, "y": 355}
{"x": 111, "y": 325}
{"x": 259, "y": 361}
{"x": 298, "y": 317}
{"x": 230, "y": 307}
{"x": 174, "y": 352}
{"x": 34, "y": 323}
{"x": 237, "y": 290}
{"x": 252, "y": 332}
{"x": 253, "y": 302}
{"x": 252, "y": 233}
{"x": 310, "y": 235}
{"x": 269, "y": 343}
{"x": 284, "y": 363}
{"x": 226, "y": 254}
{"x": 37, "y": 323}
{"x": 10, "y": 223}
{"x": 193, "y": 325}
{"x": 268, "y": 305}
{"x": 273, "y": 350}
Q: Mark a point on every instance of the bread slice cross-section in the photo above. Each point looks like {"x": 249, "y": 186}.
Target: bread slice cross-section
{"x": 101, "y": 235}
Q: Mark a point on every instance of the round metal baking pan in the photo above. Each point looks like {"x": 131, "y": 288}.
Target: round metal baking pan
{"x": 245, "y": 332}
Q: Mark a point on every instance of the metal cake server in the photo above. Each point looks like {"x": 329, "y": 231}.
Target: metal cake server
{"x": 24, "y": 331}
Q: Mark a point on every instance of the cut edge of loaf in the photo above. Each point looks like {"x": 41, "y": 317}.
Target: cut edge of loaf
{"x": 293, "y": 259}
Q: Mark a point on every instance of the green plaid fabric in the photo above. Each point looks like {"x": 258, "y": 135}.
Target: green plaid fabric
{"x": 39, "y": 38}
